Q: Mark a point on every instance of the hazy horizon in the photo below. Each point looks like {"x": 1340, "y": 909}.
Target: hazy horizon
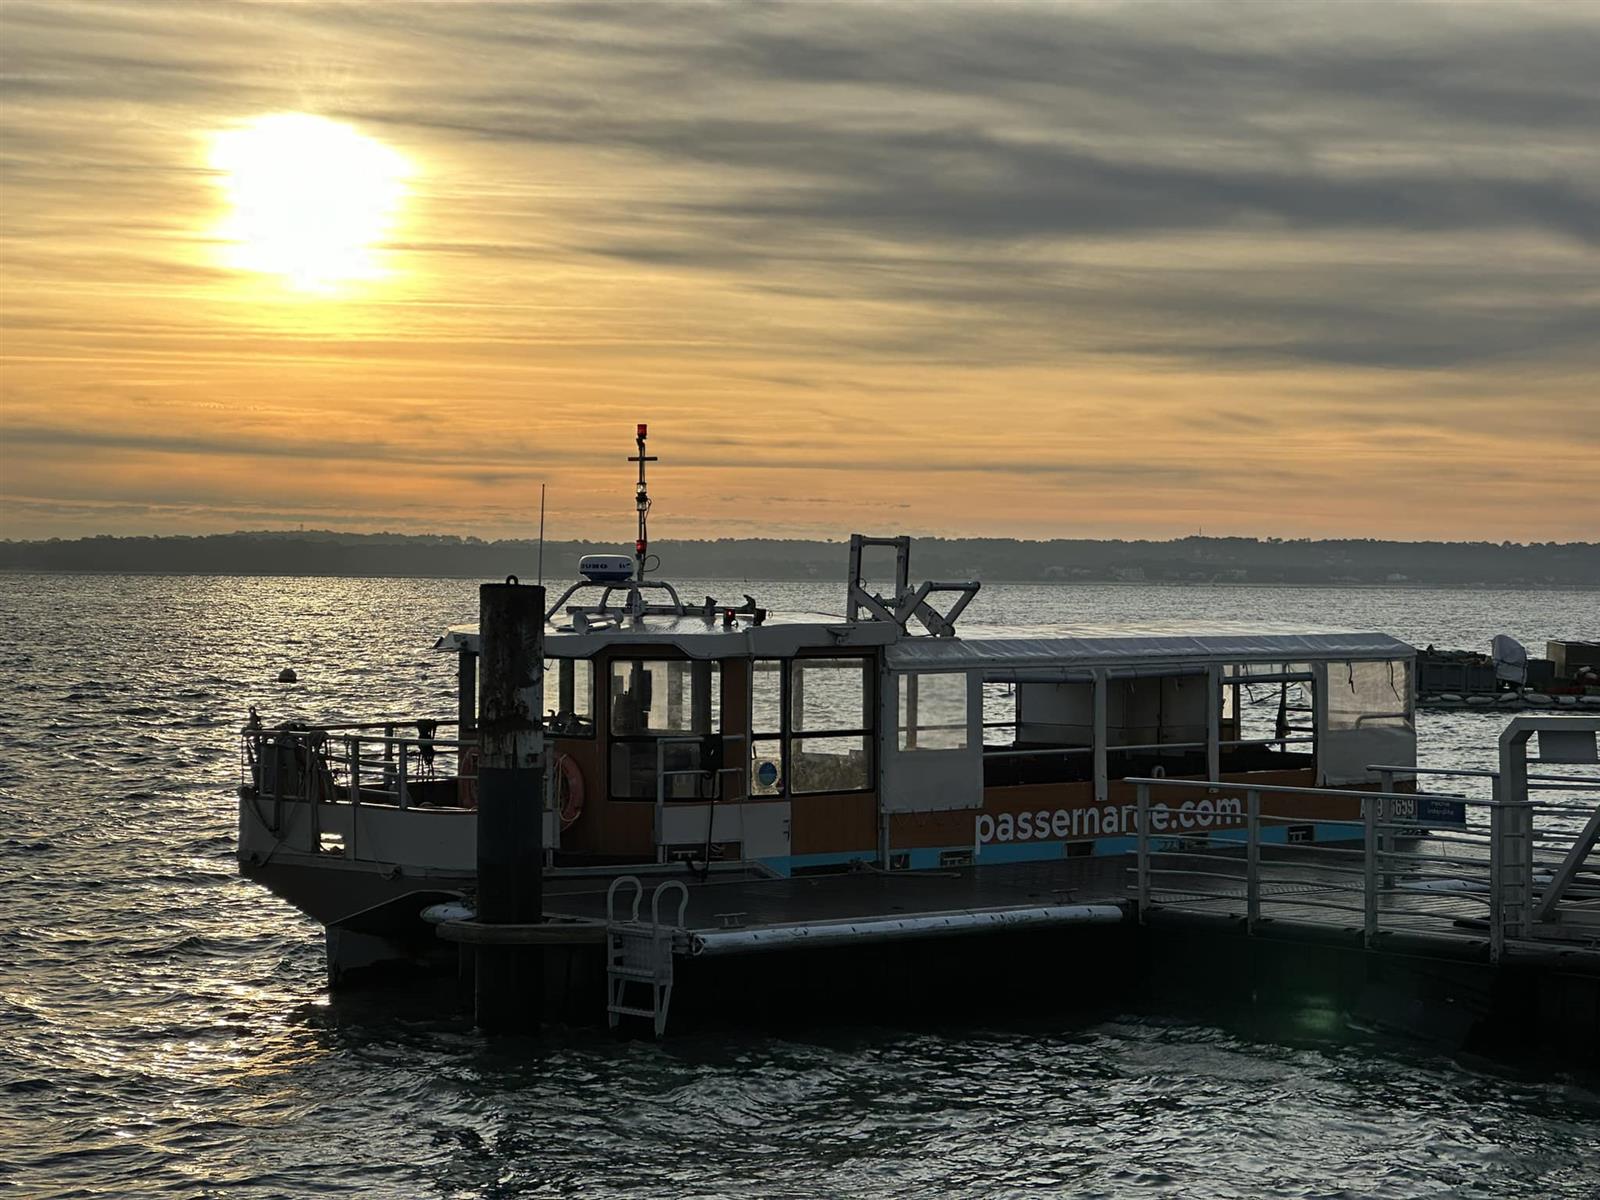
{"x": 623, "y": 537}
{"x": 1188, "y": 560}
{"x": 1026, "y": 270}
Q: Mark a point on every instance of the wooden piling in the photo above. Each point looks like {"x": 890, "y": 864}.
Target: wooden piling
{"x": 508, "y": 996}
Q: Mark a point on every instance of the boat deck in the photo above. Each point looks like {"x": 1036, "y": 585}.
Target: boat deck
{"x": 1301, "y": 891}
{"x": 748, "y": 902}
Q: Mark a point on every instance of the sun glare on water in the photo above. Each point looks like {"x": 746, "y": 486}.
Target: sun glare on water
{"x": 311, "y": 199}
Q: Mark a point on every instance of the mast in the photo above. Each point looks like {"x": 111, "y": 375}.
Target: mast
{"x": 641, "y": 501}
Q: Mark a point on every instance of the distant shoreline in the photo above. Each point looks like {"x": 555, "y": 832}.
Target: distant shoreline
{"x": 1175, "y": 584}
{"x": 1181, "y": 562}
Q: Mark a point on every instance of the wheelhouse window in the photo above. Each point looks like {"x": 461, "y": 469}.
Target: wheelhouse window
{"x": 569, "y": 697}
{"x": 767, "y": 757}
{"x": 933, "y": 711}
{"x": 812, "y": 723}
{"x": 665, "y": 697}
{"x": 655, "y": 705}
{"x": 830, "y": 718}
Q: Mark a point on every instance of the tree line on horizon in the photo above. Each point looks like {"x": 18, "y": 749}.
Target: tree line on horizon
{"x": 1194, "y": 559}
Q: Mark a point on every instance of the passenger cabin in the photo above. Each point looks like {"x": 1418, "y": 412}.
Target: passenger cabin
{"x": 807, "y": 742}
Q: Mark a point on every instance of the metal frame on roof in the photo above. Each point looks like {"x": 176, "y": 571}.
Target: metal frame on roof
{"x": 696, "y": 638}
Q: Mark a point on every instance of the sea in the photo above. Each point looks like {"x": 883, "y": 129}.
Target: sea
{"x": 165, "y": 1028}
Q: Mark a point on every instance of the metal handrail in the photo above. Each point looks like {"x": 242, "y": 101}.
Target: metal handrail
{"x": 342, "y": 755}
{"x": 1061, "y": 751}
{"x": 339, "y": 727}
{"x": 1482, "y": 772}
{"x": 1045, "y": 752}
{"x": 662, "y": 775}
{"x": 1276, "y": 789}
{"x": 1576, "y": 783}
{"x": 1483, "y": 883}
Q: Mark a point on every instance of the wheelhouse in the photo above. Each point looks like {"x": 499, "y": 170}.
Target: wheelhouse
{"x": 807, "y": 743}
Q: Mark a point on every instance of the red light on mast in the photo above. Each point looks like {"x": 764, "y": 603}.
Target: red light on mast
{"x": 638, "y": 547}
{"x": 643, "y": 430}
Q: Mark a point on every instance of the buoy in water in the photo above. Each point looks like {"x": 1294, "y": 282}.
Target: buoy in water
{"x": 287, "y": 675}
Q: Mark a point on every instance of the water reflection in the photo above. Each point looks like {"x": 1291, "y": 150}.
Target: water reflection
{"x": 164, "y": 1026}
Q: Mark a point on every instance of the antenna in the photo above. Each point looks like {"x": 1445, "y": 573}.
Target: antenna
{"x": 541, "y": 535}
{"x": 641, "y": 501}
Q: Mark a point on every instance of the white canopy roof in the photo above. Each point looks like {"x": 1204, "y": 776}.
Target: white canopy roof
{"x": 1110, "y": 645}
{"x": 997, "y": 647}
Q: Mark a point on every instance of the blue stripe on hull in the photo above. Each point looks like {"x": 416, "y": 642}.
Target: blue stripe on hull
{"x": 997, "y": 853}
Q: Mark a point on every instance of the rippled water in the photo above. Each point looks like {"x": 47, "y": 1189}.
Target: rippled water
{"x": 164, "y": 1027}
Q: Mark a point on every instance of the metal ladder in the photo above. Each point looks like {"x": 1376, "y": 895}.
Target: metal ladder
{"x": 640, "y": 952}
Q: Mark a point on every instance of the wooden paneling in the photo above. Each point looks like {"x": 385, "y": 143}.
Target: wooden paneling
{"x": 953, "y": 827}
{"x": 833, "y": 823}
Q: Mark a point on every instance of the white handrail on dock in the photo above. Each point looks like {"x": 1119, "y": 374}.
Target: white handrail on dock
{"x": 1513, "y": 872}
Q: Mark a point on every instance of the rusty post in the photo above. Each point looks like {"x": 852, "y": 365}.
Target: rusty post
{"x": 466, "y": 693}
{"x": 510, "y": 800}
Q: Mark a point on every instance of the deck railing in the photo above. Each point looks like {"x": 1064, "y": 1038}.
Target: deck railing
{"x": 1002, "y": 751}
{"x": 1519, "y": 873}
{"x": 356, "y": 762}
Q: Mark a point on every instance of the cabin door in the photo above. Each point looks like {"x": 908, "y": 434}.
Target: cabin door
{"x": 932, "y": 741}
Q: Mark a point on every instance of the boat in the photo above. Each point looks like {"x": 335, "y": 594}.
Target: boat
{"x": 728, "y": 739}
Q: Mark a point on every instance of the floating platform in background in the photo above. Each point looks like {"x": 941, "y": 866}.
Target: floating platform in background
{"x": 1510, "y": 702}
{"x": 1566, "y": 679}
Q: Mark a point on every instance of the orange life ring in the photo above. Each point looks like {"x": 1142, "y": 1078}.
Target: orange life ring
{"x": 569, "y": 785}
{"x": 569, "y": 790}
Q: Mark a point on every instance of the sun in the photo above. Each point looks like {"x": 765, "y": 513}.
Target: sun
{"x": 311, "y": 200}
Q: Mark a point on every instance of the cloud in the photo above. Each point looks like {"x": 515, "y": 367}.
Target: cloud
{"x": 1096, "y": 256}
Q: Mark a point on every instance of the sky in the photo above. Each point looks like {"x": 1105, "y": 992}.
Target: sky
{"x": 1031, "y": 270}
